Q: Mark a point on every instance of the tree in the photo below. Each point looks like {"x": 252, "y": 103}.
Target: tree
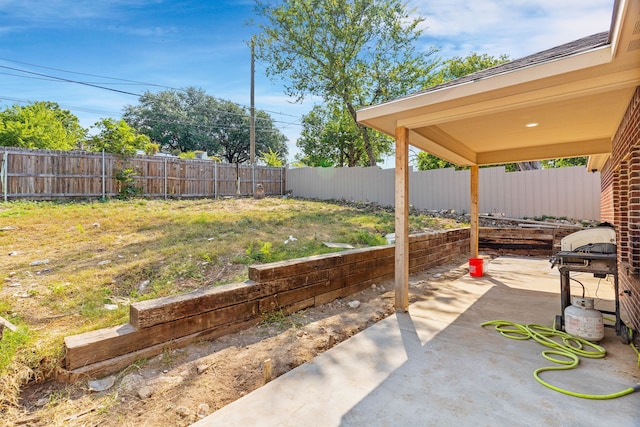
{"x": 41, "y": 125}
{"x": 271, "y": 158}
{"x": 427, "y": 161}
{"x": 352, "y": 52}
{"x": 190, "y": 120}
{"x": 177, "y": 120}
{"x": 458, "y": 66}
{"x": 117, "y": 137}
{"x": 563, "y": 163}
{"x": 329, "y": 137}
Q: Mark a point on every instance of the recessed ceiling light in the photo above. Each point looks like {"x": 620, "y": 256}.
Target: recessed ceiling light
{"x": 532, "y": 125}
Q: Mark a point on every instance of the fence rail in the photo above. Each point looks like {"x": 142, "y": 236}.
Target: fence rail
{"x": 571, "y": 192}
{"x": 46, "y": 175}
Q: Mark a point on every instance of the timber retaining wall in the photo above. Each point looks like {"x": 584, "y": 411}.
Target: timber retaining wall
{"x": 293, "y": 285}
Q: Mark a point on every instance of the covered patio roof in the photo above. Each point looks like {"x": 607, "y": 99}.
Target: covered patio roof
{"x": 576, "y": 93}
{"x": 567, "y": 101}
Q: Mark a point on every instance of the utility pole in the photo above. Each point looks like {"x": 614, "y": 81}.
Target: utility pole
{"x": 252, "y": 130}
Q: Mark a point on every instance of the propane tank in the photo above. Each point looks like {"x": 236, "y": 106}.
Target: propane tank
{"x": 583, "y": 321}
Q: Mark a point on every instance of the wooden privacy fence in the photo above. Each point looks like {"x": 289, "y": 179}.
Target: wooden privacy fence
{"x": 47, "y": 175}
{"x": 571, "y": 192}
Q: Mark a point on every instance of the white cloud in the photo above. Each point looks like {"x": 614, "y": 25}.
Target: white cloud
{"x": 516, "y": 28}
{"x": 22, "y": 15}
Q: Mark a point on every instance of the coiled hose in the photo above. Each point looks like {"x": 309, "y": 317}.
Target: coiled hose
{"x": 566, "y": 353}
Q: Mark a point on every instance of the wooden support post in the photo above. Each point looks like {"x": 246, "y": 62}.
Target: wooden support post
{"x": 267, "y": 370}
{"x": 402, "y": 220}
{"x": 474, "y": 212}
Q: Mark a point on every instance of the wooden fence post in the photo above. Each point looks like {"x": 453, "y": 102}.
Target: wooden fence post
{"x": 4, "y": 173}
{"x": 253, "y": 179}
{"x": 104, "y": 178}
{"x": 215, "y": 180}
{"x": 166, "y": 179}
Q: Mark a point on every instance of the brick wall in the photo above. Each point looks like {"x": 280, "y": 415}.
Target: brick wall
{"x": 606, "y": 194}
{"x": 621, "y": 191}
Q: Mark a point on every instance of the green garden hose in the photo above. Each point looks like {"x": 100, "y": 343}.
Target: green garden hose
{"x": 566, "y": 353}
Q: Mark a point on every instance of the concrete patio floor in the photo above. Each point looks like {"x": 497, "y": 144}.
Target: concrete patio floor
{"x": 436, "y": 366}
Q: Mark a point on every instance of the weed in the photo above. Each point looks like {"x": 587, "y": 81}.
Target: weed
{"x": 58, "y": 396}
{"x": 282, "y": 321}
{"x": 364, "y": 238}
{"x": 125, "y": 183}
{"x": 11, "y": 342}
{"x": 168, "y": 356}
{"x": 259, "y": 251}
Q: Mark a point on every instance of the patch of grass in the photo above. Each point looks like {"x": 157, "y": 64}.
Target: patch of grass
{"x": 364, "y": 238}
{"x": 266, "y": 252}
{"x": 168, "y": 356}
{"x": 133, "y": 250}
{"x": 282, "y": 321}
{"x": 11, "y": 342}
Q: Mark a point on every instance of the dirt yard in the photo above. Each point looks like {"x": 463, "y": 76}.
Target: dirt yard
{"x": 181, "y": 386}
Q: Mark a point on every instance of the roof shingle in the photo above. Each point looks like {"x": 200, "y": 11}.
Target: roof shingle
{"x": 562, "y": 51}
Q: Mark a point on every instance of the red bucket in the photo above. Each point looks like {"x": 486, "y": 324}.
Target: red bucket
{"x": 475, "y": 267}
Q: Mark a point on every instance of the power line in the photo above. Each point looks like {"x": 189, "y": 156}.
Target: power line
{"x": 207, "y": 126}
{"x": 97, "y": 85}
{"x": 70, "y": 81}
{"x": 87, "y": 74}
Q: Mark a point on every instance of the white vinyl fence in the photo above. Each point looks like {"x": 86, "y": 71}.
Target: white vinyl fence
{"x": 563, "y": 192}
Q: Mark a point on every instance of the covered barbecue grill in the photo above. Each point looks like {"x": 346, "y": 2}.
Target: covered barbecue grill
{"x": 593, "y": 251}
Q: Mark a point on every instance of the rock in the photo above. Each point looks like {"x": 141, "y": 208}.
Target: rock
{"x": 105, "y": 262}
{"x": 201, "y": 368}
{"x": 39, "y": 262}
{"x": 96, "y": 224}
{"x": 183, "y": 411}
{"x": 42, "y": 402}
{"x": 102, "y": 384}
{"x": 437, "y": 276}
{"x": 13, "y": 253}
{"x": 130, "y": 381}
{"x": 44, "y": 271}
{"x": 203, "y": 410}
{"x": 145, "y": 392}
{"x": 111, "y": 307}
{"x": 14, "y": 285}
{"x": 12, "y": 273}
{"x": 354, "y": 304}
{"x": 142, "y": 286}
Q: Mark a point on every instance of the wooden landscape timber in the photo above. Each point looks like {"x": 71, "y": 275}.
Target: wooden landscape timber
{"x": 290, "y": 286}
{"x": 522, "y": 241}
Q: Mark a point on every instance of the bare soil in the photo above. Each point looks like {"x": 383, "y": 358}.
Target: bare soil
{"x": 183, "y": 385}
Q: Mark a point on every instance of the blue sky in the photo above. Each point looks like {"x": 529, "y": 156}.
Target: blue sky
{"x": 176, "y": 44}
